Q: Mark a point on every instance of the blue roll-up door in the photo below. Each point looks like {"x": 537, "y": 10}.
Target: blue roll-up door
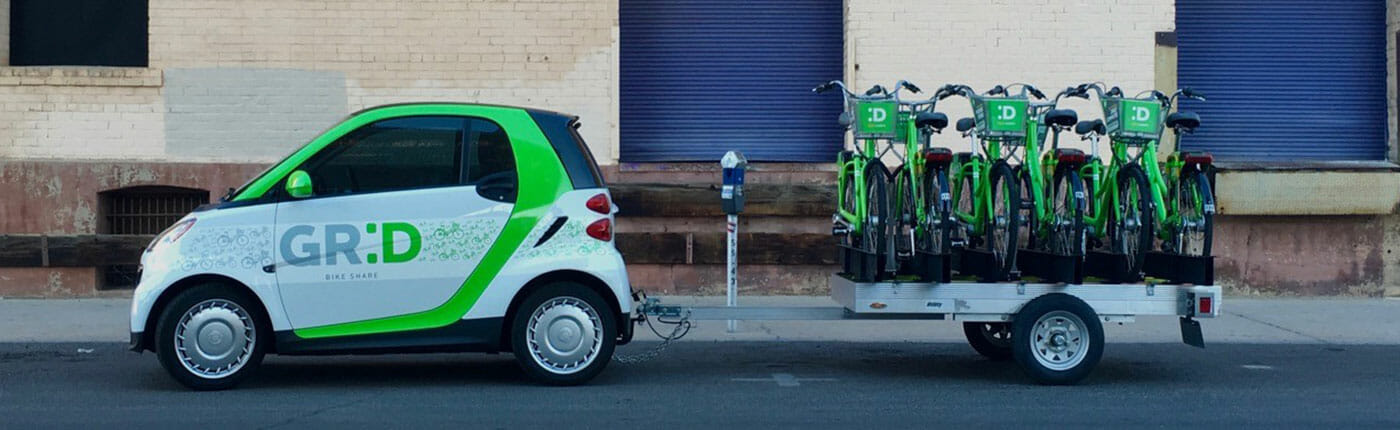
{"x": 1286, "y": 80}
{"x": 699, "y": 78}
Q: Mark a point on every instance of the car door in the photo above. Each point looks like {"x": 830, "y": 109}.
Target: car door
{"x": 403, "y": 209}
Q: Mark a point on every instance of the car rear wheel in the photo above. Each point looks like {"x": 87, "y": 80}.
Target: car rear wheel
{"x": 211, "y": 337}
{"x": 563, "y": 334}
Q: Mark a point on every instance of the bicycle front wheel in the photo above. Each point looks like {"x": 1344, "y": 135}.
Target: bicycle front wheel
{"x": 1132, "y": 228}
{"x": 1004, "y": 220}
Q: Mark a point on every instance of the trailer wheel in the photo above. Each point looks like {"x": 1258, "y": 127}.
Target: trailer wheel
{"x": 991, "y": 339}
{"x": 1057, "y": 339}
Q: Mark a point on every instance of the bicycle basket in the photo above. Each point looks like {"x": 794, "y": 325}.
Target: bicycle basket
{"x": 1000, "y": 118}
{"x": 1132, "y": 121}
{"x": 876, "y": 119}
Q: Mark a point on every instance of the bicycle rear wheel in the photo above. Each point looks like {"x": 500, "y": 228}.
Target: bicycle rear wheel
{"x": 939, "y": 220}
{"x": 1195, "y": 205}
{"x": 1067, "y": 203}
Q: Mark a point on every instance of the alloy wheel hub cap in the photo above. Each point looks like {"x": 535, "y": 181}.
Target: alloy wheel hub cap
{"x": 564, "y": 335}
{"x": 214, "y": 338}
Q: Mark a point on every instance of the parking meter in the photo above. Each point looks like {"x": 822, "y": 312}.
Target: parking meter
{"x": 732, "y": 191}
{"x": 732, "y": 199}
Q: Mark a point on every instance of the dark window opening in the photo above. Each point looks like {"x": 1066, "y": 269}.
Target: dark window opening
{"x": 79, "y": 33}
{"x": 146, "y": 210}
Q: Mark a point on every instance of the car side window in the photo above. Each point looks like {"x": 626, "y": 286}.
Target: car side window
{"x": 393, "y": 154}
{"x": 490, "y": 161}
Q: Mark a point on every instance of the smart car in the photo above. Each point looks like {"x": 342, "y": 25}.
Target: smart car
{"x": 423, "y": 227}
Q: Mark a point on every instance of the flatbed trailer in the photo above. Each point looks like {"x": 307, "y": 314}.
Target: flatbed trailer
{"x": 1053, "y": 331}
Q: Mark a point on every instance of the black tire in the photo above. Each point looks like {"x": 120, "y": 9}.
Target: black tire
{"x": 938, "y": 227}
{"x": 992, "y": 340}
{"x": 1002, "y": 223}
{"x": 848, "y": 202}
{"x": 1027, "y": 231}
{"x": 567, "y": 304}
{"x": 1132, "y": 231}
{"x": 212, "y": 313}
{"x": 1034, "y": 336}
{"x": 1195, "y": 240}
{"x": 905, "y": 217}
{"x": 879, "y": 227}
{"x": 962, "y": 201}
{"x": 1067, "y": 204}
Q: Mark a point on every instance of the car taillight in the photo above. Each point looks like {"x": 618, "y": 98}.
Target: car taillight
{"x": 1204, "y": 305}
{"x": 599, "y": 204}
{"x": 601, "y": 229}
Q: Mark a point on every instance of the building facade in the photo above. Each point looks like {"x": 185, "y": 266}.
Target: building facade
{"x": 113, "y": 126}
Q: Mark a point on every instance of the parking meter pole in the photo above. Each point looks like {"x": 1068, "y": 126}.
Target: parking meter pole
{"x": 731, "y": 277}
{"x": 732, "y": 200}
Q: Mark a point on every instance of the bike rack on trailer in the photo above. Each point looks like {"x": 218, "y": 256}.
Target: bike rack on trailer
{"x": 993, "y": 303}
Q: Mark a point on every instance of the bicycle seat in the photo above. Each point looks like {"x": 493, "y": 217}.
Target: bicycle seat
{"x": 966, "y": 124}
{"x": 935, "y": 120}
{"x": 1186, "y": 120}
{"x": 1095, "y": 126}
{"x": 1061, "y": 117}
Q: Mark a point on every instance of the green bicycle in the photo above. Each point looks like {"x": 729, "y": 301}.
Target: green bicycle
{"x": 863, "y": 210}
{"x": 984, "y": 191}
{"x": 1132, "y": 201}
{"x": 1053, "y": 194}
{"x": 920, "y": 195}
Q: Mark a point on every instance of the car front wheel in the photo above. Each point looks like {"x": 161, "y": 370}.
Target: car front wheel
{"x": 210, "y": 337}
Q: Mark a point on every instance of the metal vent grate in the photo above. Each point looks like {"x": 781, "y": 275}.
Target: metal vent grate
{"x": 144, "y": 211}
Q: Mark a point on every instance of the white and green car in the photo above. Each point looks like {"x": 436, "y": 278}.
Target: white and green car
{"x": 405, "y": 228}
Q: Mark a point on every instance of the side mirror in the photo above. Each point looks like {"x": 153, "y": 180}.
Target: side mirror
{"x": 299, "y": 185}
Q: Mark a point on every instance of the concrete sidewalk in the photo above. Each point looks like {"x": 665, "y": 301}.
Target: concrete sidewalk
{"x": 1244, "y": 320}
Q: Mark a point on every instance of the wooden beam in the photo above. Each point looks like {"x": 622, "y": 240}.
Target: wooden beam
{"x": 664, "y": 200}
{"x": 86, "y": 250}
{"x": 709, "y": 248}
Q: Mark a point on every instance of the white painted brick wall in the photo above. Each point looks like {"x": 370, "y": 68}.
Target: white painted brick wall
{"x": 1051, "y": 44}
{"x": 555, "y": 54}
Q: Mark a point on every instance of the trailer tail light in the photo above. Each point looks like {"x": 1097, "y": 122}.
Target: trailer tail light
{"x": 1204, "y": 305}
{"x": 601, "y": 230}
{"x": 599, "y": 204}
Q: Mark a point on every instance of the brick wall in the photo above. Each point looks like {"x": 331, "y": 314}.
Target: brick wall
{"x": 240, "y": 60}
{"x": 984, "y": 43}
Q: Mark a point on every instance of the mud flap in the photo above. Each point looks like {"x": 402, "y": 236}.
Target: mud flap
{"x": 1191, "y": 333}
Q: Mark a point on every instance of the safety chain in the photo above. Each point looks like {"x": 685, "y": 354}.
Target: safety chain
{"x": 682, "y": 328}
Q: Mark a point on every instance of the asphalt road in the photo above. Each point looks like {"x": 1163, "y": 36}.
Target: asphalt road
{"x": 725, "y": 385}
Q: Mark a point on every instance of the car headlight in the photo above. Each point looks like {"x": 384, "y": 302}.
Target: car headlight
{"x": 172, "y": 234}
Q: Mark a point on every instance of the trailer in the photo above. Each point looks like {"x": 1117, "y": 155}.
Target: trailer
{"x": 1054, "y": 331}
